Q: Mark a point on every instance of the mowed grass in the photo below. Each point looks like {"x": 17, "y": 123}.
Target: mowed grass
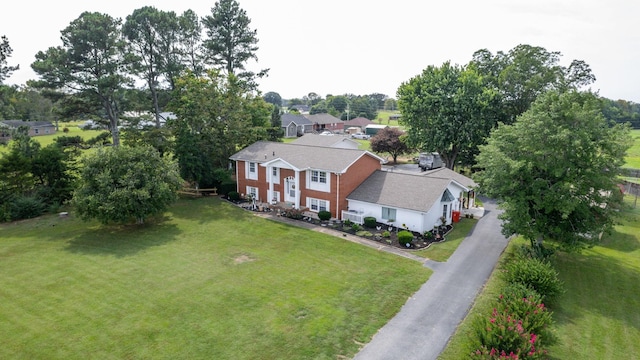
{"x": 597, "y": 317}
{"x": 207, "y": 281}
{"x": 632, "y": 160}
{"x": 74, "y": 130}
{"x": 443, "y": 250}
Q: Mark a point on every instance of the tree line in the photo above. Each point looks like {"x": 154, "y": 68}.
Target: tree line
{"x": 194, "y": 67}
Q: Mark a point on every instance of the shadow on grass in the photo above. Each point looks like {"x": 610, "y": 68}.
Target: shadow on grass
{"x": 597, "y": 284}
{"x": 620, "y": 242}
{"x": 124, "y": 240}
{"x": 207, "y": 209}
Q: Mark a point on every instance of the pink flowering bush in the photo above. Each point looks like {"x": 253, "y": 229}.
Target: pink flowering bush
{"x": 535, "y": 317}
{"x": 513, "y": 331}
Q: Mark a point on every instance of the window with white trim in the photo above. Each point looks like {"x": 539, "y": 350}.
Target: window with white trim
{"x": 318, "y": 180}
{"x": 253, "y": 192}
{"x": 388, "y": 213}
{"x": 252, "y": 171}
{"x": 275, "y": 175}
{"x": 318, "y": 205}
{"x": 319, "y": 176}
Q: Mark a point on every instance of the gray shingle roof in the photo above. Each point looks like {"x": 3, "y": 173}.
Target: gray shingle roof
{"x": 401, "y": 190}
{"x": 302, "y": 157}
{"x": 32, "y": 124}
{"x": 323, "y": 118}
{"x": 287, "y": 119}
{"x": 322, "y": 140}
{"x": 359, "y": 121}
{"x": 447, "y": 173}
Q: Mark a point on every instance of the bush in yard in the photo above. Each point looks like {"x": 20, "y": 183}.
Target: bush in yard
{"x": 324, "y": 215}
{"x": 503, "y": 336}
{"x": 233, "y": 196}
{"x": 348, "y": 223}
{"x": 370, "y": 222}
{"x": 536, "y": 274}
{"x": 535, "y": 317}
{"x": 405, "y": 237}
{"x": 386, "y": 234}
{"x": 121, "y": 184}
{"x": 227, "y": 187}
{"x": 26, "y": 207}
{"x": 355, "y": 227}
{"x": 428, "y": 235}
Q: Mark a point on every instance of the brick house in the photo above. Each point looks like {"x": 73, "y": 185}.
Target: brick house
{"x": 312, "y": 178}
{"x": 324, "y": 121}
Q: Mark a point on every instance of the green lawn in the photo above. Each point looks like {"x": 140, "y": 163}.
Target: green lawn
{"x": 74, "y": 130}
{"x": 442, "y": 251}
{"x": 633, "y": 155}
{"x": 383, "y": 118}
{"x": 207, "y": 281}
{"x": 597, "y": 317}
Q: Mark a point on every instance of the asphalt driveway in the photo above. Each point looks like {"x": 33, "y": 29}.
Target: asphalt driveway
{"x": 425, "y": 323}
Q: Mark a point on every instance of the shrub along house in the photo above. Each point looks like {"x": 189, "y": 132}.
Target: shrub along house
{"x": 406, "y": 200}
{"x": 303, "y": 177}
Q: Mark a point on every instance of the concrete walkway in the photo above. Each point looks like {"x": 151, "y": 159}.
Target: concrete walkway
{"x": 427, "y": 321}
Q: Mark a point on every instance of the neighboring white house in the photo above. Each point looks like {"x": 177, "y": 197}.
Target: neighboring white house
{"x": 406, "y": 200}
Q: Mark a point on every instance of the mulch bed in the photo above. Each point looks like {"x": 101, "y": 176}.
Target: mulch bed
{"x": 376, "y": 234}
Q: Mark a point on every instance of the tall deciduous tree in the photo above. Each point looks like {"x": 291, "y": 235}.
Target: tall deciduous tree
{"x": 118, "y": 185}
{"x": 216, "y": 117}
{"x": 273, "y": 98}
{"x": 525, "y": 72}
{"x": 5, "y": 53}
{"x": 90, "y": 61}
{"x": 230, "y": 42}
{"x": 447, "y": 109}
{"x": 554, "y": 170}
{"x": 390, "y": 140}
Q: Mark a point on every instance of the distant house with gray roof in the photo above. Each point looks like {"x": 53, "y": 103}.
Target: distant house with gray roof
{"x": 336, "y": 141}
{"x": 360, "y": 122}
{"x": 305, "y": 177}
{"x": 295, "y": 125}
{"x": 36, "y": 128}
{"x": 324, "y": 121}
{"x": 407, "y": 200}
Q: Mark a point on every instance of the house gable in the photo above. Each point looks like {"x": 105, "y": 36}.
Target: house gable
{"x": 305, "y": 174}
{"x": 414, "y": 200}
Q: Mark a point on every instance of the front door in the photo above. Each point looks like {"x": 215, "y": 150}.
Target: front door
{"x": 290, "y": 189}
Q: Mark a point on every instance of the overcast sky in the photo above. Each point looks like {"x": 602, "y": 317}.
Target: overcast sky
{"x": 363, "y": 47}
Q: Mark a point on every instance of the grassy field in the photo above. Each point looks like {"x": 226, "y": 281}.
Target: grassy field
{"x": 633, "y": 155}
{"x": 597, "y": 317}
{"x": 74, "y": 130}
{"x": 207, "y": 281}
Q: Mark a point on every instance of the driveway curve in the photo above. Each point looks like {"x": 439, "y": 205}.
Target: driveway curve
{"x": 427, "y": 321}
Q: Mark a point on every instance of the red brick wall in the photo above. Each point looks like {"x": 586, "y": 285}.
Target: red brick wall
{"x": 347, "y": 182}
{"x": 354, "y": 176}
